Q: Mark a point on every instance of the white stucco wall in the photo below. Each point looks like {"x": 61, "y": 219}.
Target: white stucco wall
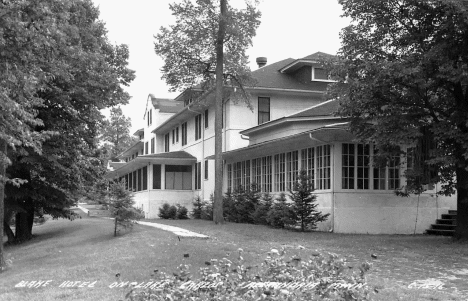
{"x": 386, "y": 213}
{"x": 150, "y": 201}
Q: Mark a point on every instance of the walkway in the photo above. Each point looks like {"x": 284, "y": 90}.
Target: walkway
{"x": 176, "y": 230}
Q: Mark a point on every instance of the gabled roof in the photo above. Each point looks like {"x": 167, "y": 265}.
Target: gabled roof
{"x": 310, "y": 60}
{"x": 324, "y": 110}
{"x": 270, "y": 76}
{"x": 139, "y": 132}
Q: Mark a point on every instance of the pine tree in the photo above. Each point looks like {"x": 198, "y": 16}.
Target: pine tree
{"x": 120, "y": 202}
{"x": 304, "y": 203}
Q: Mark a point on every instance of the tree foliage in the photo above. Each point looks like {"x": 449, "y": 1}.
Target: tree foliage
{"x": 115, "y": 133}
{"x": 403, "y": 67}
{"x": 58, "y": 71}
{"x": 120, "y": 202}
{"x": 188, "y": 47}
{"x": 304, "y": 203}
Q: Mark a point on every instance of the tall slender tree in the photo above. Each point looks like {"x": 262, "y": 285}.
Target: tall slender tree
{"x": 115, "y": 132}
{"x": 403, "y": 67}
{"x": 206, "y": 49}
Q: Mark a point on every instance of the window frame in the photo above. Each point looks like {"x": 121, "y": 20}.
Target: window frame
{"x": 261, "y": 114}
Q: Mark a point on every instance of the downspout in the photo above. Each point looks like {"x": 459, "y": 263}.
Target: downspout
{"x": 333, "y": 177}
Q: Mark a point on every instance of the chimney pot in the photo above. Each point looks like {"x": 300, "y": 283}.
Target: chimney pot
{"x": 261, "y": 61}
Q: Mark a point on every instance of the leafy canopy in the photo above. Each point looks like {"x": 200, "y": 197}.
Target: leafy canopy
{"x": 402, "y": 67}
{"x": 188, "y": 47}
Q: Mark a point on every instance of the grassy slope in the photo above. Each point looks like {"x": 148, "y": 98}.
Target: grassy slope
{"x": 85, "y": 250}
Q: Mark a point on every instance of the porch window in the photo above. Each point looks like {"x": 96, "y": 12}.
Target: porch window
{"x": 126, "y": 181}
{"x": 178, "y": 177}
{"x": 145, "y": 178}
{"x": 308, "y": 163}
{"x": 363, "y": 166}
{"x": 156, "y": 176}
{"x": 323, "y": 167}
{"x": 280, "y": 172}
{"x": 206, "y": 169}
{"x": 139, "y": 171}
{"x": 394, "y": 173}
{"x": 134, "y": 176}
{"x": 347, "y": 170}
{"x": 229, "y": 177}
{"x": 266, "y": 174}
{"x": 237, "y": 172}
{"x": 257, "y": 171}
{"x": 292, "y": 168}
{"x": 198, "y": 175}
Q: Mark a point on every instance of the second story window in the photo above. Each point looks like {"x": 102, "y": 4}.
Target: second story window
{"x": 166, "y": 142}
{"x": 198, "y": 124}
{"x": 149, "y": 117}
{"x": 146, "y": 147}
{"x": 184, "y": 133}
{"x": 263, "y": 109}
{"x": 152, "y": 145}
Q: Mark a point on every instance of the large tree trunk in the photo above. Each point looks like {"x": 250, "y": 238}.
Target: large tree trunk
{"x": 461, "y": 231}
{"x": 218, "y": 191}
{"x": 24, "y": 222}
{"x": 3, "y": 152}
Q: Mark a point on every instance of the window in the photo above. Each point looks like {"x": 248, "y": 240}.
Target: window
{"x": 308, "y": 163}
{"x": 152, "y": 145}
{"x": 184, "y": 133}
{"x": 145, "y": 178}
{"x": 156, "y": 176}
{"x": 229, "y": 174}
{"x": 280, "y": 172}
{"x": 178, "y": 177}
{"x": 166, "y": 142}
{"x": 149, "y": 117}
{"x": 257, "y": 171}
{"x": 173, "y": 136}
{"x": 126, "y": 181}
{"x": 266, "y": 174}
{"x": 130, "y": 181}
{"x": 206, "y": 119}
{"x": 263, "y": 109}
{"x": 198, "y": 123}
{"x": 394, "y": 172}
{"x": 347, "y": 170}
{"x": 177, "y": 135}
{"x": 206, "y": 169}
{"x": 139, "y": 175}
{"x": 198, "y": 175}
{"x": 363, "y": 166}
{"x": 292, "y": 168}
{"x": 134, "y": 177}
{"x": 146, "y": 147}
{"x": 323, "y": 167}
{"x": 320, "y": 74}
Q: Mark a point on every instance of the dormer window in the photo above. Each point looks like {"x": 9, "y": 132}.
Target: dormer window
{"x": 320, "y": 75}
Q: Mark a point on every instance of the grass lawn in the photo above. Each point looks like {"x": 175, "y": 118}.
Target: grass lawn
{"x": 85, "y": 250}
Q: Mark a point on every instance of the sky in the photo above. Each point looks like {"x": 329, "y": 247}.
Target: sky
{"x": 288, "y": 29}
